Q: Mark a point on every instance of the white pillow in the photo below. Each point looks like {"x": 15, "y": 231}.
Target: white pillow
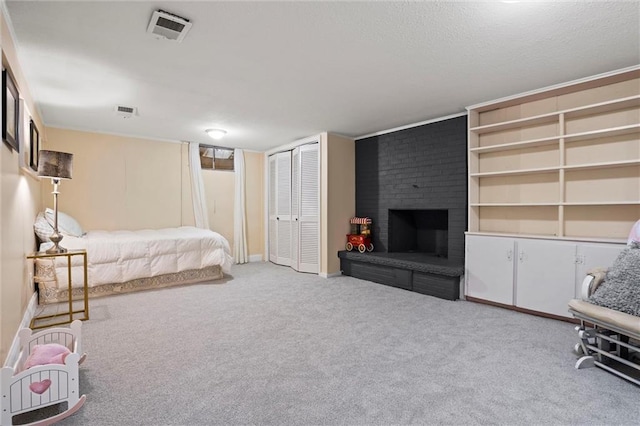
{"x": 66, "y": 224}
{"x": 42, "y": 228}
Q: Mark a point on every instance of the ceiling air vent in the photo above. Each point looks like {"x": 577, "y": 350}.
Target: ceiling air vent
{"x": 125, "y": 111}
{"x": 167, "y": 25}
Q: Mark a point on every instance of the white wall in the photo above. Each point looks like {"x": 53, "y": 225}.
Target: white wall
{"x": 19, "y": 203}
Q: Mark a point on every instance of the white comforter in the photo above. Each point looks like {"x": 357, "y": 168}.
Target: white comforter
{"x": 120, "y": 256}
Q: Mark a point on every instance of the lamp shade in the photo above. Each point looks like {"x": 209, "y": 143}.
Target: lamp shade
{"x": 55, "y": 164}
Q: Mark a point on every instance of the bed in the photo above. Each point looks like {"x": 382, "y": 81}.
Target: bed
{"x": 124, "y": 261}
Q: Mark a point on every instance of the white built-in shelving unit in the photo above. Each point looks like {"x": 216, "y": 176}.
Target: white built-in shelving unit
{"x": 562, "y": 163}
{"x": 558, "y": 164}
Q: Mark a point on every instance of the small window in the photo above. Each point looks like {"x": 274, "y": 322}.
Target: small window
{"x": 216, "y": 158}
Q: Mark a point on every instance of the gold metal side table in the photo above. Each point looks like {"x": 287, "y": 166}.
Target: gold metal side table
{"x": 68, "y": 254}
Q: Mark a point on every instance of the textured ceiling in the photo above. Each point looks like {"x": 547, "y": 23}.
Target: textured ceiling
{"x": 273, "y": 72}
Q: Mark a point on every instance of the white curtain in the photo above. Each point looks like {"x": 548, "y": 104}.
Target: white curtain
{"x": 240, "y": 212}
{"x": 200, "y": 210}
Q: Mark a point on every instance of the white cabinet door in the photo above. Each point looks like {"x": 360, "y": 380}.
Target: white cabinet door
{"x": 545, "y": 275}
{"x": 594, "y": 256}
{"x": 489, "y": 270}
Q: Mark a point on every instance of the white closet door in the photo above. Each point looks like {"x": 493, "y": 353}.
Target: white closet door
{"x": 273, "y": 223}
{"x": 283, "y": 207}
{"x": 309, "y": 210}
{"x": 280, "y": 208}
{"x": 295, "y": 208}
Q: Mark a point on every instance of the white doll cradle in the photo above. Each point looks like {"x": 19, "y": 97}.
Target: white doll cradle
{"x": 16, "y": 395}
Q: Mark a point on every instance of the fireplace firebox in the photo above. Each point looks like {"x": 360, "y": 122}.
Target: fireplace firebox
{"x": 419, "y": 231}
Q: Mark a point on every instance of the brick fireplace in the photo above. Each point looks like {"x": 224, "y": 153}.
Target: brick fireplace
{"x": 413, "y": 185}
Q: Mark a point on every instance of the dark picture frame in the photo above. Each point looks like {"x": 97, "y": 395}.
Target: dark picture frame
{"x": 11, "y": 112}
{"x": 34, "y": 145}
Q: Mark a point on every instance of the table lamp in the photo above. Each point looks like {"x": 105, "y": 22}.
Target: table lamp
{"x": 55, "y": 165}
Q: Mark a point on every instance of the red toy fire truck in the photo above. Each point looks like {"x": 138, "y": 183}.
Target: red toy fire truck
{"x": 360, "y": 235}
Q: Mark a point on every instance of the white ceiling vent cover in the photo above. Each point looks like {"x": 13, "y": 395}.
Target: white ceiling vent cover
{"x": 167, "y": 25}
{"x": 125, "y": 111}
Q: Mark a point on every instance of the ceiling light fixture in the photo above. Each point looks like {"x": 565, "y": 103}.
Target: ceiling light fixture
{"x": 216, "y": 133}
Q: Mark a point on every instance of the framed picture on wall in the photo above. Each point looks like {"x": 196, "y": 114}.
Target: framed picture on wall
{"x": 11, "y": 112}
{"x": 34, "y": 145}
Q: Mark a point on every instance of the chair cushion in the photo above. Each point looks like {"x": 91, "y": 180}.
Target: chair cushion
{"x": 606, "y": 317}
{"x": 620, "y": 290}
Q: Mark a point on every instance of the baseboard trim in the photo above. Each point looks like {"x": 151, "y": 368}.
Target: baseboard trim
{"x": 255, "y": 258}
{"x": 14, "y": 350}
{"x": 523, "y": 310}
{"x": 331, "y": 275}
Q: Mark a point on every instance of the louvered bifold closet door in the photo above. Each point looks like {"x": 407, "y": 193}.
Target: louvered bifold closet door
{"x": 309, "y": 213}
{"x": 273, "y": 223}
{"x": 295, "y": 202}
{"x": 283, "y": 207}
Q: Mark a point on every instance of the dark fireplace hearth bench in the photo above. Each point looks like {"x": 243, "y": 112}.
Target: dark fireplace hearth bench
{"x": 430, "y": 275}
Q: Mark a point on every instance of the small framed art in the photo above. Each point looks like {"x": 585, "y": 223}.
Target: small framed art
{"x": 11, "y": 112}
{"x": 34, "y": 145}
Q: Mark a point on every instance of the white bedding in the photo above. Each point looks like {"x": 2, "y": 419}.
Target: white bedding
{"x": 121, "y": 256}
